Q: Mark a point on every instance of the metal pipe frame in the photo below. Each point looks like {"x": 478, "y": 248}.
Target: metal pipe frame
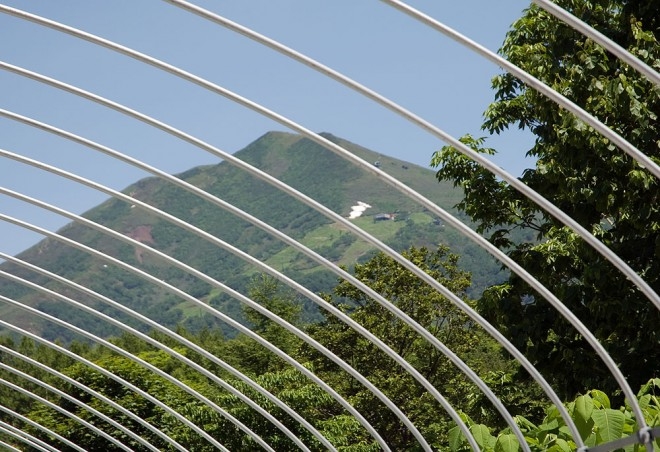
{"x": 66, "y": 413}
{"x": 269, "y": 179}
{"x": 80, "y": 404}
{"x": 246, "y": 300}
{"x": 568, "y": 421}
{"x": 91, "y": 392}
{"x": 653, "y": 296}
{"x": 337, "y": 149}
{"x": 38, "y": 426}
{"x": 116, "y": 378}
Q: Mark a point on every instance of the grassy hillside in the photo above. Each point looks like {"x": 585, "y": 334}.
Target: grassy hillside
{"x": 295, "y": 160}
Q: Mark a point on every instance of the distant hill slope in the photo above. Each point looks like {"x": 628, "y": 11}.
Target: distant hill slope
{"x": 297, "y": 161}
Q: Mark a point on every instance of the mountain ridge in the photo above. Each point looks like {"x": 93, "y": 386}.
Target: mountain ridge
{"x": 293, "y": 159}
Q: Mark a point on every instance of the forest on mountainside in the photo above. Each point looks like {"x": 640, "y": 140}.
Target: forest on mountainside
{"x": 297, "y": 161}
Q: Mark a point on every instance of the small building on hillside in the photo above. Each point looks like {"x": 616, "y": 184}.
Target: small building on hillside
{"x": 384, "y": 216}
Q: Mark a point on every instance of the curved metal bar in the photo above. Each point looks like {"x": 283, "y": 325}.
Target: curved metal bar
{"x": 234, "y": 324}
{"x": 181, "y": 358}
{"x": 7, "y": 445}
{"x": 24, "y": 437}
{"x": 93, "y": 393}
{"x": 38, "y": 426}
{"x": 534, "y": 83}
{"x": 308, "y": 201}
{"x": 116, "y": 378}
{"x": 80, "y": 404}
{"x": 312, "y": 296}
{"x": 604, "y": 41}
{"x": 61, "y": 410}
{"x": 122, "y": 352}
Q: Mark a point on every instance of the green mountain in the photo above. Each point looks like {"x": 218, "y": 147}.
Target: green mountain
{"x": 295, "y": 160}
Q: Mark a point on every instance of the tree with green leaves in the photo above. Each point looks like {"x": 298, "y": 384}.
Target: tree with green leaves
{"x": 272, "y": 373}
{"x": 586, "y": 176}
{"x": 269, "y": 293}
{"x": 435, "y": 313}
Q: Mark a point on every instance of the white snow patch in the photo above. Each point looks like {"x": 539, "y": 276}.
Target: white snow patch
{"x": 358, "y": 210}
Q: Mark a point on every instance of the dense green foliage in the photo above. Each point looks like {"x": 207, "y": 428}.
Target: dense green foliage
{"x": 597, "y": 421}
{"x": 588, "y": 178}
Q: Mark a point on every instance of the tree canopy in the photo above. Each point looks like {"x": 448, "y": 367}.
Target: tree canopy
{"x": 586, "y": 176}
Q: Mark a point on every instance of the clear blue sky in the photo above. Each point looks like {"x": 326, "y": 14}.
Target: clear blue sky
{"x": 366, "y": 39}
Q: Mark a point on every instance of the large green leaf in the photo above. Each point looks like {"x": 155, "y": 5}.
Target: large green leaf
{"x": 651, "y": 384}
{"x": 482, "y": 436}
{"x": 506, "y": 443}
{"x": 584, "y": 427}
{"x": 561, "y": 446}
{"x": 456, "y": 438}
{"x": 584, "y": 406}
{"x": 601, "y": 398}
{"x": 609, "y": 424}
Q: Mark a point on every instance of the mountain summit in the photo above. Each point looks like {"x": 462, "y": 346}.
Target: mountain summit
{"x": 299, "y": 162}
